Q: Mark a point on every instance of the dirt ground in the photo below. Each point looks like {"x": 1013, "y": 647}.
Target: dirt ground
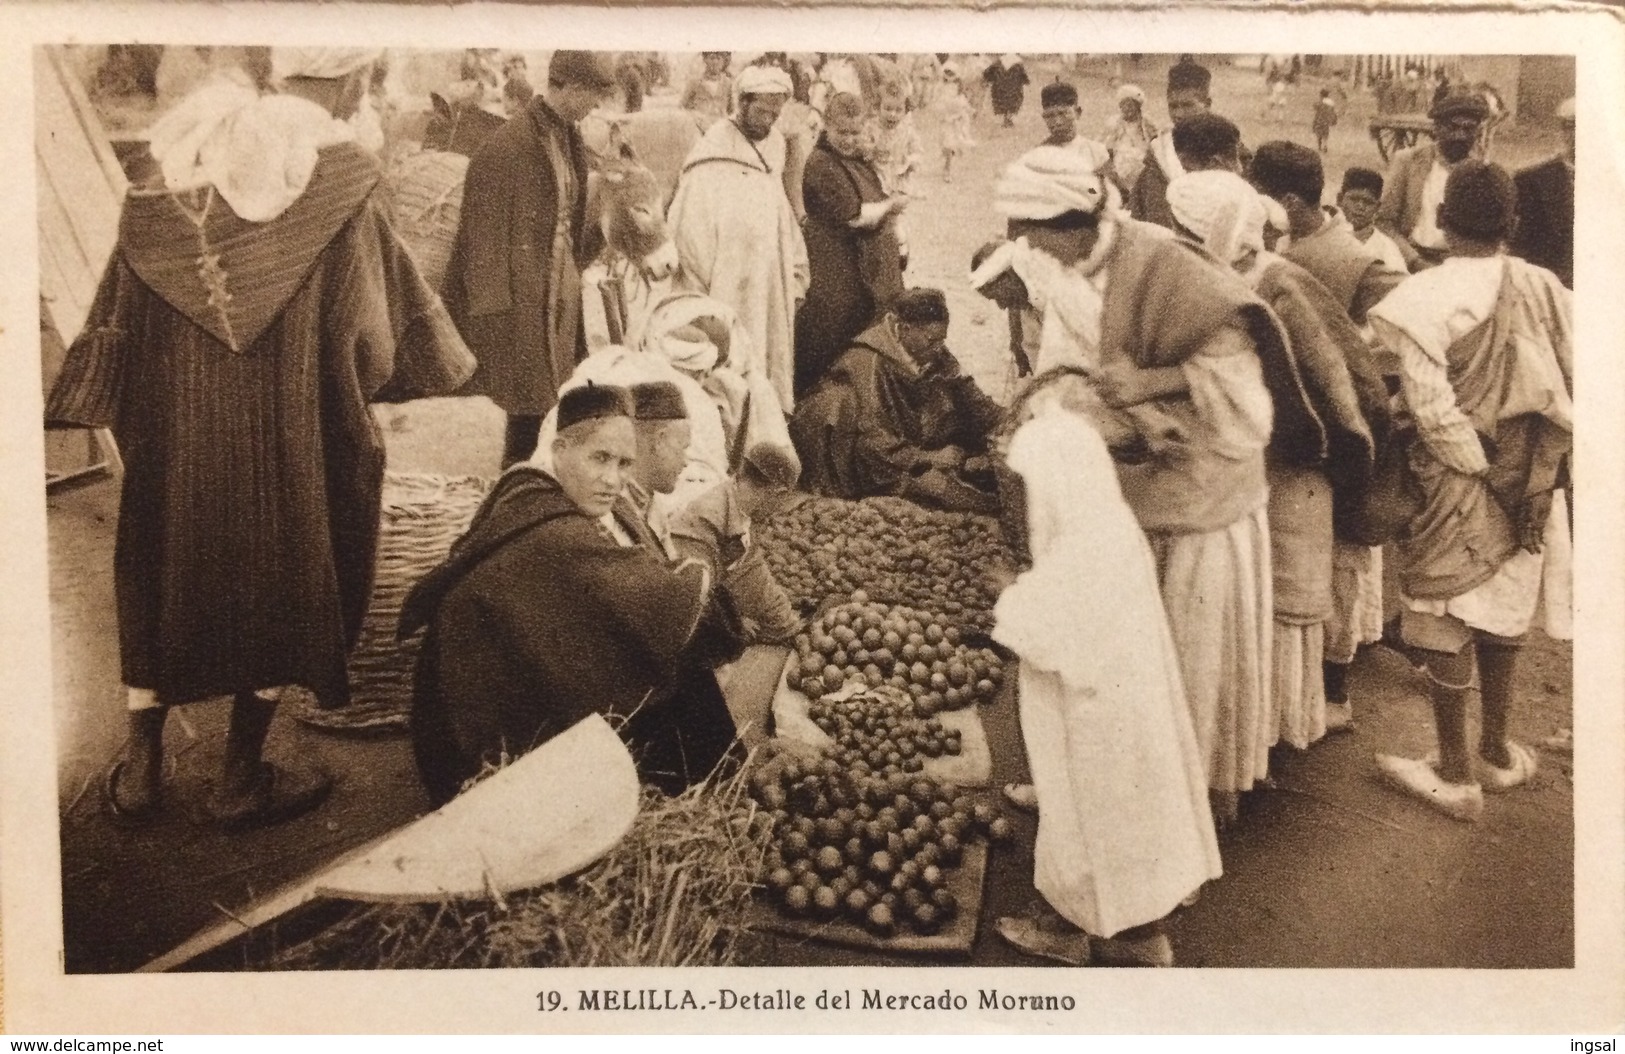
{"x": 1328, "y": 868}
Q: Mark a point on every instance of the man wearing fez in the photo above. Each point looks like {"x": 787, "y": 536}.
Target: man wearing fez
{"x": 256, "y": 303}
{"x": 1414, "y": 189}
{"x": 663, "y": 434}
{"x": 895, "y": 416}
{"x": 513, "y": 282}
{"x": 1188, "y": 85}
{"x": 1061, "y": 114}
{"x": 550, "y": 609}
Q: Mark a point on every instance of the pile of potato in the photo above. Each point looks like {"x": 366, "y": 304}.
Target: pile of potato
{"x": 909, "y": 649}
{"x": 892, "y": 549}
{"x": 874, "y": 848}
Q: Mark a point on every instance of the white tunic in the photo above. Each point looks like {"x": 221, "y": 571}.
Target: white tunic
{"x": 1124, "y": 828}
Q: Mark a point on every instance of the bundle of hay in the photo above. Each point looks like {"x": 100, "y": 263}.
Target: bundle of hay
{"x": 673, "y": 893}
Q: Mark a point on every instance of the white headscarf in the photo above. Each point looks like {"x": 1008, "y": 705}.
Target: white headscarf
{"x": 763, "y": 80}
{"x": 321, "y": 63}
{"x": 695, "y": 333}
{"x": 1047, "y": 181}
{"x": 257, "y": 151}
{"x": 1223, "y": 210}
{"x": 1131, "y": 91}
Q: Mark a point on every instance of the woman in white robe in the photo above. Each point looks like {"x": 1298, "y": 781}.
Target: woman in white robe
{"x": 1124, "y": 828}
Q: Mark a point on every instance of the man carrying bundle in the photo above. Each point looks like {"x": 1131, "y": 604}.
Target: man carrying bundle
{"x": 1188, "y": 387}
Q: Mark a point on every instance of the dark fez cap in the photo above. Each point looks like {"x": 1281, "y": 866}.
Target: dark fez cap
{"x": 1058, "y": 93}
{"x": 590, "y": 69}
{"x": 1185, "y": 75}
{"x": 921, "y": 306}
{"x": 591, "y": 402}
{"x": 658, "y": 401}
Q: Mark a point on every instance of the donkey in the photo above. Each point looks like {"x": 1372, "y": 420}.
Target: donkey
{"x": 639, "y": 256}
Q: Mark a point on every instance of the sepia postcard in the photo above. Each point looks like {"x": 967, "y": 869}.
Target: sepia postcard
{"x": 812, "y": 519}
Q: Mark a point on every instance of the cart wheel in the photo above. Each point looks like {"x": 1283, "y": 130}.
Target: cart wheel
{"x": 1388, "y": 142}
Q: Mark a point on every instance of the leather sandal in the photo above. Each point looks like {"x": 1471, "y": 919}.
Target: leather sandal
{"x": 280, "y": 794}
{"x": 117, "y": 812}
{"x": 1155, "y": 951}
{"x": 1032, "y": 938}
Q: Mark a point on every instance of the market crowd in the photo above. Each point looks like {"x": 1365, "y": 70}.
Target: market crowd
{"x": 1235, "y": 400}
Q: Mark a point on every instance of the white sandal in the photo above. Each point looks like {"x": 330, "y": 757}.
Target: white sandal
{"x": 1496, "y": 779}
{"x": 1418, "y": 777}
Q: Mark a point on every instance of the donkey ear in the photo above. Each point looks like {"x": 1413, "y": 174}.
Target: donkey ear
{"x": 441, "y": 106}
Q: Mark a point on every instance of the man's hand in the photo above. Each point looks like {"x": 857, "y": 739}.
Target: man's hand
{"x": 1120, "y": 385}
{"x": 1532, "y": 517}
{"x": 945, "y": 458}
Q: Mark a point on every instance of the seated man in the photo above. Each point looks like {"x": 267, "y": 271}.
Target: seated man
{"x": 683, "y": 741}
{"x": 894, "y": 416}
{"x": 715, "y": 528}
{"x": 548, "y": 609}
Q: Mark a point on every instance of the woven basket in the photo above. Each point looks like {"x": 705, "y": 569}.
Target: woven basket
{"x": 427, "y": 190}
{"x": 421, "y": 517}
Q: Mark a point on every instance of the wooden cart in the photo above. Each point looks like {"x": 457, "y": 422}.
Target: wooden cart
{"x": 1394, "y": 132}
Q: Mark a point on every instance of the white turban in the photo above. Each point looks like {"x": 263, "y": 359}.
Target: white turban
{"x": 686, "y": 347}
{"x": 1221, "y": 209}
{"x": 1047, "y": 181}
{"x": 695, "y": 333}
{"x": 321, "y": 63}
{"x": 1131, "y": 91}
{"x": 763, "y": 80}
{"x": 257, "y": 151}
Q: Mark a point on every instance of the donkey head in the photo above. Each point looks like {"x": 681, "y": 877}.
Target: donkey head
{"x": 633, "y": 216}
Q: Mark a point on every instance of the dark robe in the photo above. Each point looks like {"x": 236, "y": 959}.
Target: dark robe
{"x": 1008, "y": 87}
{"x": 234, "y": 362}
{"x": 868, "y": 427}
{"x": 1343, "y": 264}
{"x": 538, "y": 618}
{"x": 692, "y": 733}
{"x": 500, "y": 280}
{"x": 1545, "y": 234}
{"x": 1148, "y": 202}
{"x": 855, "y": 275}
{"x": 1326, "y": 349}
{"x": 1190, "y": 486}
